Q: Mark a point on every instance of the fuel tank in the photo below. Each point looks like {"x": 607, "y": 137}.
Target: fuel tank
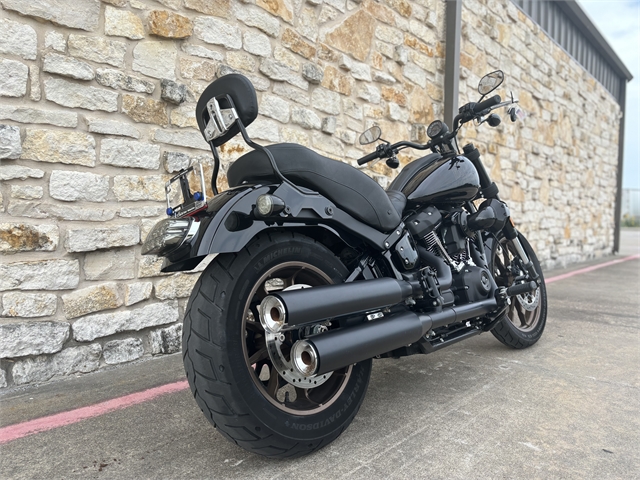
{"x": 438, "y": 180}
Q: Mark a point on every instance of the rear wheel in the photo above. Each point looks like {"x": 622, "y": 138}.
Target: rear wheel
{"x": 242, "y": 377}
{"x": 524, "y": 321}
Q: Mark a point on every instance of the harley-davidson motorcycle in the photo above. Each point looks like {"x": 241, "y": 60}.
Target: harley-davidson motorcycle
{"x": 319, "y": 270}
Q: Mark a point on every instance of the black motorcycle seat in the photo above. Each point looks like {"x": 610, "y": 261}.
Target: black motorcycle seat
{"x": 349, "y": 188}
{"x": 398, "y": 200}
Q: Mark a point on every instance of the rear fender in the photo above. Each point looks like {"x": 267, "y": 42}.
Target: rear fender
{"x": 218, "y": 210}
{"x": 230, "y": 223}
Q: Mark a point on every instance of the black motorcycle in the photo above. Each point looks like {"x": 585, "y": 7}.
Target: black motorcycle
{"x": 319, "y": 270}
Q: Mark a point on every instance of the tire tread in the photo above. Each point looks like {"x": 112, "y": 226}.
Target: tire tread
{"x": 504, "y": 331}
{"x": 239, "y": 425}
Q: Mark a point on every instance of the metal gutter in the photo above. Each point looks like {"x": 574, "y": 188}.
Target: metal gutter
{"x": 452, "y": 59}
{"x": 617, "y": 214}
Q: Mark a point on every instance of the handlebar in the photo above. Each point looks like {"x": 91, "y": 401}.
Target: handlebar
{"x": 488, "y": 103}
{"x": 368, "y": 158}
{"x": 386, "y": 150}
{"x": 468, "y": 112}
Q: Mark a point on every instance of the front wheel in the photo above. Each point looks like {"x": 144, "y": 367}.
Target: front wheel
{"x": 241, "y": 376}
{"x": 523, "y": 323}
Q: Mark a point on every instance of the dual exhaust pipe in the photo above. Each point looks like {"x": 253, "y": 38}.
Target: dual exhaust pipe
{"x": 307, "y": 305}
{"x": 329, "y": 351}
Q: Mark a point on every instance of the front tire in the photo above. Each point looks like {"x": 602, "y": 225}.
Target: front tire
{"x": 524, "y": 321}
{"x": 231, "y": 371}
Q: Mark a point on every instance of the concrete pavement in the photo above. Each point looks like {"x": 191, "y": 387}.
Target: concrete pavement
{"x": 566, "y": 408}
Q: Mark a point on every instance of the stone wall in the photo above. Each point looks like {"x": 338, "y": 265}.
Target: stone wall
{"x": 557, "y": 169}
{"x": 97, "y": 111}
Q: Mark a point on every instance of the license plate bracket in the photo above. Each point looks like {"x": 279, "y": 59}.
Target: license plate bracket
{"x": 191, "y": 203}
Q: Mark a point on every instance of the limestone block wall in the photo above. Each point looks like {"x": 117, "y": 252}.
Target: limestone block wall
{"x": 558, "y": 168}
{"x": 97, "y": 111}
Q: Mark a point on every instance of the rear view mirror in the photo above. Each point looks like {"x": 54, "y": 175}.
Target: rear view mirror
{"x": 370, "y": 135}
{"x": 490, "y": 82}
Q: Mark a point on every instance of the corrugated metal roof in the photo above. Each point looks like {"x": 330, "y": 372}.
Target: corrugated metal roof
{"x": 572, "y": 29}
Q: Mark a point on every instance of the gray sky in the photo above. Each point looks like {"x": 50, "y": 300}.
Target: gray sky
{"x": 619, "y": 22}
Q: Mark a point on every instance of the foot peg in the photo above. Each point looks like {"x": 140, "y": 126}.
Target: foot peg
{"x": 521, "y": 288}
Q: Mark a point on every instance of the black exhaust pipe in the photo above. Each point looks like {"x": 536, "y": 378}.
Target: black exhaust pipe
{"x": 306, "y": 305}
{"x": 339, "y": 348}
{"x": 296, "y": 307}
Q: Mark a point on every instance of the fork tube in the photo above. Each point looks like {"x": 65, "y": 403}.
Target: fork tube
{"x": 511, "y": 233}
{"x": 518, "y": 246}
{"x": 489, "y": 188}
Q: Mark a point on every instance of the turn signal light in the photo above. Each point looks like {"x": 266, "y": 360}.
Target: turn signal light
{"x": 267, "y": 205}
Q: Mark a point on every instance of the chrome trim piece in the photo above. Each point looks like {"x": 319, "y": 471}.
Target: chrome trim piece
{"x": 305, "y": 358}
{"x": 203, "y": 188}
{"x": 220, "y": 120}
{"x": 193, "y": 230}
{"x": 273, "y": 314}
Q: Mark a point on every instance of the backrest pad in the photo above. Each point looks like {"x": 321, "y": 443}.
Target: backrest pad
{"x": 241, "y": 91}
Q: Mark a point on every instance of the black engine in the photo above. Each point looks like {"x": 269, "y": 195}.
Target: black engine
{"x": 447, "y": 241}
{"x": 472, "y": 284}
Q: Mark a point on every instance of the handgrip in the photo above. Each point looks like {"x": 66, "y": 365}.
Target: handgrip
{"x": 368, "y": 158}
{"x": 488, "y": 103}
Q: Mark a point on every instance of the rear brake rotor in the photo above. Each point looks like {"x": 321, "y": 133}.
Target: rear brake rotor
{"x": 275, "y": 343}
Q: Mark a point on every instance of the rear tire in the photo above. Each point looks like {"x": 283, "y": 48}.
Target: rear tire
{"x": 523, "y": 323}
{"x": 242, "y": 398}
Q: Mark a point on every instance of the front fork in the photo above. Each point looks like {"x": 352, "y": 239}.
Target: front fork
{"x": 512, "y": 235}
{"x": 490, "y": 190}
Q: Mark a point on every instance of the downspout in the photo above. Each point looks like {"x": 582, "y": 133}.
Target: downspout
{"x": 618, "y": 209}
{"x": 452, "y": 60}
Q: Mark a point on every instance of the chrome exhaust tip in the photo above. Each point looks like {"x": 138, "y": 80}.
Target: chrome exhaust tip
{"x": 304, "y": 358}
{"x": 272, "y": 314}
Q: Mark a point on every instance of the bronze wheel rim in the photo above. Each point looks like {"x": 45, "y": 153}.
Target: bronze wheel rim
{"x": 270, "y": 383}
{"x": 525, "y": 310}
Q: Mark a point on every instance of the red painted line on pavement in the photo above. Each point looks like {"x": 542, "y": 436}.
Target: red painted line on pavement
{"x": 19, "y": 430}
{"x": 590, "y": 269}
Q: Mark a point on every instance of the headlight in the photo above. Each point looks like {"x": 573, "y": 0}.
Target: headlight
{"x": 168, "y": 235}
